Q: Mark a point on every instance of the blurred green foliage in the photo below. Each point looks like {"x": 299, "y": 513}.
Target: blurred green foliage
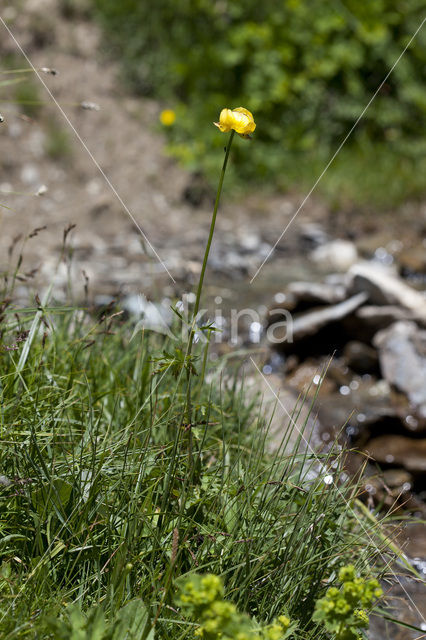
{"x": 57, "y": 143}
{"x": 306, "y": 70}
{"x": 27, "y": 96}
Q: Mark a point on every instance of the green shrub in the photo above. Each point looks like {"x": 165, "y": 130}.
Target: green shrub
{"x": 306, "y": 70}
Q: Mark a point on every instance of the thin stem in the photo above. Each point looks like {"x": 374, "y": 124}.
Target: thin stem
{"x": 203, "y": 270}
{"x": 205, "y": 356}
{"x": 212, "y": 226}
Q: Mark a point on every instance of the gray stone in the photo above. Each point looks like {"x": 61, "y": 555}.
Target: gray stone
{"x": 317, "y": 293}
{"x": 377, "y": 317}
{"x": 402, "y": 355}
{"x": 313, "y": 235}
{"x": 310, "y": 323}
{"x": 385, "y": 288}
{"x": 357, "y": 411}
{"x": 337, "y": 254}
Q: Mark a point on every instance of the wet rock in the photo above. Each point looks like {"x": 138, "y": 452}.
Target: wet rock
{"x": 338, "y": 280}
{"x": 249, "y": 242}
{"x": 307, "y": 325}
{"x": 402, "y": 355}
{"x": 338, "y": 254}
{"x": 356, "y": 412}
{"x": 385, "y": 288}
{"x": 310, "y": 323}
{"x": 236, "y": 254}
{"x": 226, "y": 262}
{"x": 411, "y": 421}
{"x": 362, "y": 405}
{"x": 398, "y": 498}
{"x": 369, "y": 319}
{"x": 383, "y": 257}
{"x": 360, "y": 357}
{"x": 316, "y": 293}
{"x": 312, "y": 235}
{"x": 400, "y": 451}
{"x": 375, "y": 317}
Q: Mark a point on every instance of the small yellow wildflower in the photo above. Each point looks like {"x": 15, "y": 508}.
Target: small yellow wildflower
{"x": 167, "y": 117}
{"x": 240, "y": 120}
{"x": 277, "y": 628}
{"x": 362, "y": 617}
{"x": 284, "y": 621}
{"x": 347, "y": 573}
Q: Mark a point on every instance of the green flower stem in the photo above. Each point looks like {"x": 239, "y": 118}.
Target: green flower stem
{"x": 191, "y": 341}
{"x": 212, "y": 226}
{"x": 203, "y": 268}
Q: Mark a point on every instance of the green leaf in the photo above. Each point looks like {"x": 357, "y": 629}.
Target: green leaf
{"x": 131, "y": 621}
{"x": 52, "y": 498}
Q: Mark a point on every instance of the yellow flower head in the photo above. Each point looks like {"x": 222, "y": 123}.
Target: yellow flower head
{"x": 240, "y": 120}
{"x": 167, "y": 117}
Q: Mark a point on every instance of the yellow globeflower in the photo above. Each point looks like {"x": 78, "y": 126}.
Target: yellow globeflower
{"x": 167, "y": 117}
{"x": 240, "y": 120}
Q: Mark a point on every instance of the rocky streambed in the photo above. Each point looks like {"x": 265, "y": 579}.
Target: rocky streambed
{"x": 364, "y": 340}
{"x": 361, "y": 335}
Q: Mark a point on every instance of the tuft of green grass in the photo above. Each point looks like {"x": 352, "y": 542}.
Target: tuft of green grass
{"x": 108, "y": 495}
